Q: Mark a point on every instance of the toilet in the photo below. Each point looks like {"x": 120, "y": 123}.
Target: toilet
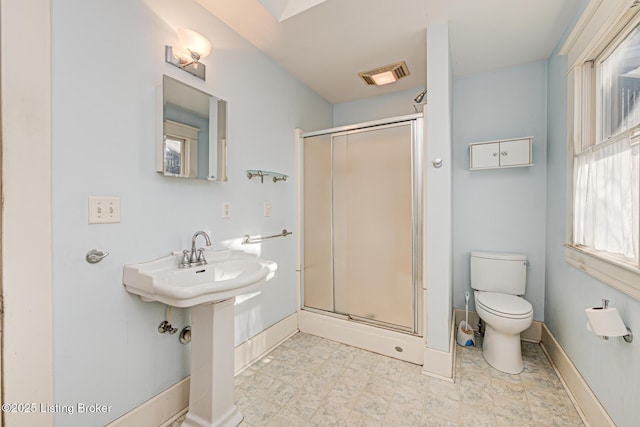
{"x": 499, "y": 281}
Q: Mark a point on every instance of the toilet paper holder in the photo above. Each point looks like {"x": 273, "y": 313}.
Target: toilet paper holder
{"x": 607, "y": 319}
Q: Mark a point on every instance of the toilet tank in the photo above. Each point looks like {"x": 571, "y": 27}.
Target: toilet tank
{"x": 499, "y": 272}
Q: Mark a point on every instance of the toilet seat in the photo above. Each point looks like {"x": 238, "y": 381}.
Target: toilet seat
{"x": 504, "y": 305}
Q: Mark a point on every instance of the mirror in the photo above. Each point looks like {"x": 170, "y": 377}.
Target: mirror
{"x": 193, "y": 142}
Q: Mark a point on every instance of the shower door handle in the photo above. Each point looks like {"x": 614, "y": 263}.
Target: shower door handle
{"x": 437, "y": 163}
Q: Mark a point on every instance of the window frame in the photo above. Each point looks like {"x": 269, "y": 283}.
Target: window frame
{"x": 600, "y": 30}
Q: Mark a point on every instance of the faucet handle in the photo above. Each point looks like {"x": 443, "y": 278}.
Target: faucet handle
{"x": 201, "y": 258}
{"x": 185, "y": 259}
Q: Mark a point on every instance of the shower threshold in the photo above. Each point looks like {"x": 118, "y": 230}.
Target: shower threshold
{"x": 377, "y": 323}
{"x": 379, "y": 338}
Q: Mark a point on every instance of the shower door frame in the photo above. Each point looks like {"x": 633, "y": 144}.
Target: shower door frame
{"x": 415, "y": 121}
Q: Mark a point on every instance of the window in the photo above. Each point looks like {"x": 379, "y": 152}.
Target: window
{"x": 173, "y": 149}
{"x": 620, "y": 87}
{"x": 180, "y": 149}
{"x": 605, "y": 139}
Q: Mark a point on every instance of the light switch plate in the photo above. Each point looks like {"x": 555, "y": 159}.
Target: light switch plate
{"x": 267, "y": 208}
{"x": 104, "y": 210}
{"x": 226, "y": 209}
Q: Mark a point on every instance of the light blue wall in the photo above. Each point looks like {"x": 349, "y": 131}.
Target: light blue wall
{"x": 500, "y": 210}
{"x": 610, "y": 367}
{"x": 108, "y": 58}
{"x": 377, "y": 107}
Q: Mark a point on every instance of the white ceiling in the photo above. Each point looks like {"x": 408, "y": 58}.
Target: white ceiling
{"x": 326, "y": 43}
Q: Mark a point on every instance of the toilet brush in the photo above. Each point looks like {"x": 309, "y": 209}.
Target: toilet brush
{"x": 466, "y": 309}
{"x": 465, "y": 335}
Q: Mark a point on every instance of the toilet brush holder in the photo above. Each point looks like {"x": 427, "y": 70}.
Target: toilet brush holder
{"x": 465, "y": 336}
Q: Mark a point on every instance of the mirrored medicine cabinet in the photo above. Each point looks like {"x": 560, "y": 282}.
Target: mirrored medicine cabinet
{"x": 192, "y": 140}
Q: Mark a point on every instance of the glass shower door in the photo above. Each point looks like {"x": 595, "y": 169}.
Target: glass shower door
{"x": 372, "y": 225}
{"x": 318, "y": 253}
{"x": 359, "y": 225}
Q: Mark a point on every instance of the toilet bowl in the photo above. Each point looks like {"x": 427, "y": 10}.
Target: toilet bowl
{"x": 505, "y": 317}
{"x": 499, "y": 281}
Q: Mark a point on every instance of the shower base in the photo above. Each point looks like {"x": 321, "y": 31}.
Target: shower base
{"x": 398, "y": 345}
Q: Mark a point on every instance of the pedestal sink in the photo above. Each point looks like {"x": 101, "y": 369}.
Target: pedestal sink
{"x": 210, "y": 291}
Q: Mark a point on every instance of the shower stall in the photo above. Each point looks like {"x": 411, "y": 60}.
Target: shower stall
{"x": 361, "y": 225}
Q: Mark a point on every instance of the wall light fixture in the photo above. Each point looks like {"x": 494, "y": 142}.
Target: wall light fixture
{"x": 196, "y": 46}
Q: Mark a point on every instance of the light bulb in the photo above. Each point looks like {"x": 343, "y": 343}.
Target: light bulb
{"x": 194, "y": 42}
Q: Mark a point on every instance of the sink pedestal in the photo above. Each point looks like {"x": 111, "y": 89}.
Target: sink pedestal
{"x": 210, "y": 291}
{"x": 212, "y": 367}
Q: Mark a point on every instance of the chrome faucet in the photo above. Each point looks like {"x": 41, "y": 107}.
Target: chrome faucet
{"x": 195, "y": 257}
{"x": 200, "y": 257}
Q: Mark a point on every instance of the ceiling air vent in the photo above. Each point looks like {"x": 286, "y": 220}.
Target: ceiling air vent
{"x": 385, "y": 75}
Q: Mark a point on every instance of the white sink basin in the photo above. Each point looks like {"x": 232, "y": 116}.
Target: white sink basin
{"x": 227, "y": 274}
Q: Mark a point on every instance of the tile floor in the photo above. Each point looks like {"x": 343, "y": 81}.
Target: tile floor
{"x": 311, "y": 381}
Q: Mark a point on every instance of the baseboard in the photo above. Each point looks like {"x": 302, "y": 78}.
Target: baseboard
{"x": 157, "y": 410}
{"x": 165, "y": 407}
{"x": 254, "y": 348}
{"x": 589, "y": 406}
{"x": 532, "y": 334}
{"x": 441, "y": 364}
{"x": 370, "y": 338}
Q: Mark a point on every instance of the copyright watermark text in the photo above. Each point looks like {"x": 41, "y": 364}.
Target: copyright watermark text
{"x": 56, "y": 408}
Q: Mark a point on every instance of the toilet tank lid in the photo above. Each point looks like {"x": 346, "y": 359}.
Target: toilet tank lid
{"x": 499, "y": 255}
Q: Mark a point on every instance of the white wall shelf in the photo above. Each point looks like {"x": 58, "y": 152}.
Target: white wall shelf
{"x": 504, "y": 153}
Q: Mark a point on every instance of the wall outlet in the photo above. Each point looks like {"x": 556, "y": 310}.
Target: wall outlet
{"x": 226, "y": 209}
{"x": 267, "y": 208}
{"x": 104, "y": 210}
